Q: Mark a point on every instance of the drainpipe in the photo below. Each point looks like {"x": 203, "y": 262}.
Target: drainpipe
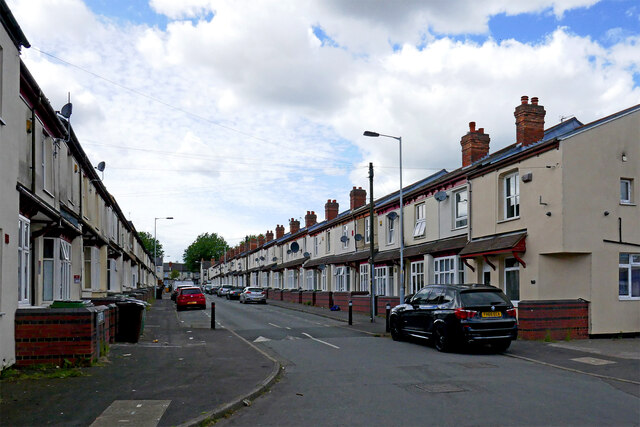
{"x": 33, "y": 143}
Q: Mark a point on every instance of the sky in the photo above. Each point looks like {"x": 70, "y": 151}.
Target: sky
{"x": 233, "y": 116}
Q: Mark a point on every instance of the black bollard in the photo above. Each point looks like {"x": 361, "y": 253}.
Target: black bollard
{"x": 388, "y": 308}
{"x": 350, "y": 312}
{"x": 213, "y": 315}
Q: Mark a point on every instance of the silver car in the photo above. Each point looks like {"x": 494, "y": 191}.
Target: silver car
{"x": 224, "y": 290}
{"x": 253, "y": 295}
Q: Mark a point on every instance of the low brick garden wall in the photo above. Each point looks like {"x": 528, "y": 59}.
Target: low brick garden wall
{"x": 309, "y": 297}
{"x": 51, "y": 336}
{"x": 324, "y": 299}
{"x": 556, "y": 320}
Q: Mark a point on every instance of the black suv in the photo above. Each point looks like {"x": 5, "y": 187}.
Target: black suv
{"x": 457, "y": 314}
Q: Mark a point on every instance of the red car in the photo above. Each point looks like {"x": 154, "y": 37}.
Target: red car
{"x": 190, "y": 297}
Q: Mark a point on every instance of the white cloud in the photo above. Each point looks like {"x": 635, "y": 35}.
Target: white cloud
{"x": 247, "y": 119}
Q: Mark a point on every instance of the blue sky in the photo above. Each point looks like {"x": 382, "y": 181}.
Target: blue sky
{"x": 233, "y": 116}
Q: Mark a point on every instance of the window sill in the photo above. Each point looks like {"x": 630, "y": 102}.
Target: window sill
{"x": 627, "y": 204}
{"x": 628, "y": 298}
{"x": 48, "y": 192}
{"x": 508, "y": 219}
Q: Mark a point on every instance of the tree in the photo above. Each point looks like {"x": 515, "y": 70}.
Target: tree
{"x": 147, "y": 242}
{"x": 206, "y": 246}
{"x": 174, "y": 274}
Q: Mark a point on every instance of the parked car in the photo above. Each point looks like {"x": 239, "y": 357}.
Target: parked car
{"x": 190, "y": 297}
{"x": 253, "y": 295}
{"x": 179, "y": 285}
{"x": 224, "y": 289}
{"x": 207, "y": 289}
{"x": 234, "y": 293}
{"x": 451, "y": 315}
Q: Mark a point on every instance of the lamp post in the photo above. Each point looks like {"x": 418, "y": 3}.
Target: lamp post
{"x": 155, "y": 228}
{"x": 399, "y": 139}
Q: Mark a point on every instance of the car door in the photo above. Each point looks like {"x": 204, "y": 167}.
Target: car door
{"x": 414, "y": 322}
{"x": 431, "y": 309}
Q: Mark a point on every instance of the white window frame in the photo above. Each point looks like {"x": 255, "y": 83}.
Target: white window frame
{"x": 316, "y": 245}
{"x": 513, "y": 268}
{"x": 417, "y": 276}
{"x": 310, "y": 280}
{"x": 507, "y": 197}
{"x": 381, "y": 275}
{"x": 421, "y": 222}
{"x": 448, "y": 270}
{"x": 626, "y": 191}
{"x": 632, "y": 265}
{"x": 345, "y": 233}
{"x": 391, "y": 231}
{"x": 24, "y": 261}
{"x": 364, "y": 277}
{"x": 460, "y": 219}
{"x": 59, "y": 274}
{"x": 342, "y": 279}
{"x": 323, "y": 279}
{"x": 367, "y": 228}
{"x": 328, "y": 241}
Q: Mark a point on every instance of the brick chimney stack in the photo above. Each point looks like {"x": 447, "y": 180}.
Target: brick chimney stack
{"x": 260, "y": 240}
{"x": 253, "y": 243}
{"x": 358, "y": 198}
{"x": 269, "y": 235}
{"x": 294, "y": 226}
{"x": 279, "y": 231}
{"x": 331, "y": 210}
{"x": 310, "y": 219}
{"x": 475, "y": 145}
{"x": 529, "y": 121}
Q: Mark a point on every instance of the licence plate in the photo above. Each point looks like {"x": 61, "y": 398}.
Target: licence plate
{"x": 491, "y": 314}
{"x": 192, "y": 302}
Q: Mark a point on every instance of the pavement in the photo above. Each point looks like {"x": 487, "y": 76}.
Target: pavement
{"x": 177, "y": 375}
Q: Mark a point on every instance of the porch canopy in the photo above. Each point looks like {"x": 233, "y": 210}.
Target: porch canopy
{"x": 495, "y": 245}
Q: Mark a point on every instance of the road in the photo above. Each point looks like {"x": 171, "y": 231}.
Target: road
{"x": 337, "y": 376}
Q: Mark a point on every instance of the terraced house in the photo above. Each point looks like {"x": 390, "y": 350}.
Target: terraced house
{"x": 552, "y": 219}
{"x": 64, "y": 237}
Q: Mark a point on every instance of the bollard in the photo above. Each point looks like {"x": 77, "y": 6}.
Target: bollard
{"x": 213, "y": 315}
{"x": 350, "y": 312}
{"x": 388, "y": 308}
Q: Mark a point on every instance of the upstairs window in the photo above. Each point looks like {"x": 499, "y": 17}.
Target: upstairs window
{"x": 367, "y": 229}
{"x": 460, "y": 213}
{"x": 418, "y": 230}
{"x": 511, "y": 193}
{"x": 328, "y": 241}
{"x": 345, "y": 234}
{"x": 626, "y": 191}
{"x": 391, "y": 230}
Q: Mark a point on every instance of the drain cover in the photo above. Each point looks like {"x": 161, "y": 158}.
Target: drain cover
{"x": 437, "y": 388}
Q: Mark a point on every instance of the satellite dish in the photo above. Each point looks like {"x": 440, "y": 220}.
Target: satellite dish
{"x": 101, "y": 166}
{"x": 322, "y": 267}
{"x": 66, "y": 111}
{"x": 274, "y": 259}
{"x": 306, "y": 254}
{"x": 257, "y": 259}
{"x": 261, "y": 258}
{"x": 392, "y": 216}
{"x": 441, "y": 196}
{"x": 288, "y": 251}
{"x": 358, "y": 237}
{"x": 344, "y": 239}
{"x": 295, "y": 247}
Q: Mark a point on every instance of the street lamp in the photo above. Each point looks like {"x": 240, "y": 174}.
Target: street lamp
{"x": 399, "y": 139}
{"x": 155, "y": 227}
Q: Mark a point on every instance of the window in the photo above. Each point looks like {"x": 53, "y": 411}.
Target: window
{"x": 460, "y": 214}
{"x": 629, "y": 276}
{"x": 448, "y": 270}
{"x": 367, "y": 230}
{"x": 421, "y": 224}
{"x": 316, "y": 245}
{"x": 511, "y": 196}
{"x": 342, "y": 279}
{"x": 265, "y": 279}
{"x": 512, "y": 279}
{"x": 391, "y": 228}
{"x": 311, "y": 280}
{"x": 345, "y": 235}
{"x": 112, "y": 268}
{"x": 323, "y": 279}
{"x": 626, "y": 191}
{"x": 486, "y": 274}
{"x": 364, "y": 277}
{"x": 328, "y": 241}
{"x": 383, "y": 280}
{"x": 92, "y": 269}
{"x": 1, "y": 80}
{"x": 24, "y": 261}
{"x": 417, "y": 276}
{"x": 292, "y": 279}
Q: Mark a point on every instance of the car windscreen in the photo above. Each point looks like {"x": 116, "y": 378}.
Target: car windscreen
{"x": 476, "y": 298}
{"x": 191, "y": 291}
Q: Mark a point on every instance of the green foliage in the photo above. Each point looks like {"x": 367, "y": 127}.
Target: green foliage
{"x": 547, "y": 337}
{"x": 174, "y": 274}
{"x": 147, "y": 242}
{"x": 36, "y": 372}
{"x": 206, "y": 246}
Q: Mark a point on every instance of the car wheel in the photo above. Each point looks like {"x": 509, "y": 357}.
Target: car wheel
{"x": 396, "y": 332}
{"x": 441, "y": 339}
{"x": 501, "y": 346}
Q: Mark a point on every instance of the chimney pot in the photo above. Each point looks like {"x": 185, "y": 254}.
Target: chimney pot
{"x": 524, "y": 100}
{"x": 475, "y": 145}
{"x": 472, "y": 126}
{"x": 529, "y": 122}
{"x": 534, "y": 100}
{"x": 330, "y": 210}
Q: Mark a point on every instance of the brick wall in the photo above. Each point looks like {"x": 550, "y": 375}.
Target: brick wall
{"x": 324, "y": 299}
{"x": 292, "y": 296}
{"x": 49, "y": 336}
{"x": 309, "y": 297}
{"x": 381, "y": 303}
{"x": 558, "y": 320}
